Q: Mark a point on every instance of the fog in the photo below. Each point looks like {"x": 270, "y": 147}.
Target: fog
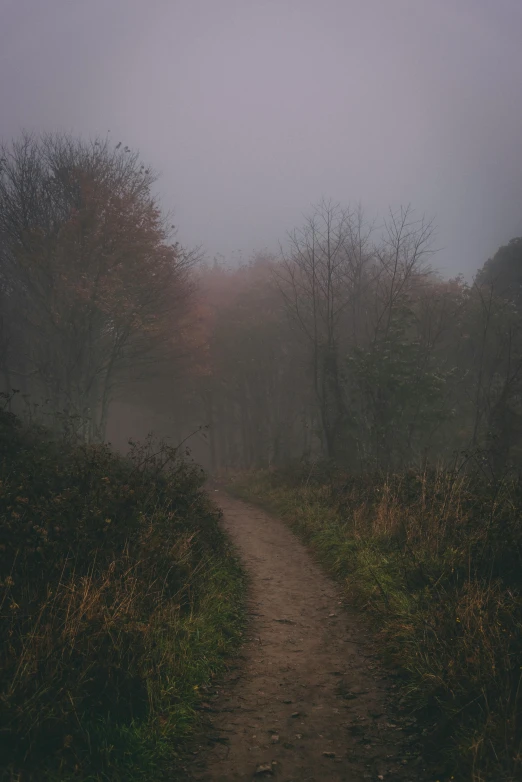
{"x": 316, "y": 155}
{"x": 271, "y": 249}
{"x": 252, "y": 111}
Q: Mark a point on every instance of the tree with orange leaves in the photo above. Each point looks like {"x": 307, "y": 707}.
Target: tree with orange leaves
{"x": 100, "y": 288}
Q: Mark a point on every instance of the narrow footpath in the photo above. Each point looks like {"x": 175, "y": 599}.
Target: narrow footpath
{"x": 307, "y": 701}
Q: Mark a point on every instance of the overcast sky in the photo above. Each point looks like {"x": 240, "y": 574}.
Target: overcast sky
{"x": 254, "y": 109}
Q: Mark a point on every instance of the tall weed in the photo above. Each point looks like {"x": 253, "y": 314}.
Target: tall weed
{"x": 119, "y": 599}
{"x": 436, "y": 558}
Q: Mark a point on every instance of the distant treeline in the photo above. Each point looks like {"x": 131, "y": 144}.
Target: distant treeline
{"x": 349, "y": 348}
{"x": 346, "y": 346}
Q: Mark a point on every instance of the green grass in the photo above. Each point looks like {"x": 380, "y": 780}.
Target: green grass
{"x": 435, "y": 559}
{"x": 120, "y": 601}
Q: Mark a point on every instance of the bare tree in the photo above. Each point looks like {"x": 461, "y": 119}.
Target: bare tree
{"x": 322, "y": 276}
{"x": 402, "y": 255}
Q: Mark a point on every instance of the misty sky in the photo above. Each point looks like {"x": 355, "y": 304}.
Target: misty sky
{"x": 254, "y": 109}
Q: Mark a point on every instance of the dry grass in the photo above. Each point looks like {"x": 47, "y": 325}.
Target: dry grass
{"x": 119, "y": 600}
{"x": 436, "y": 558}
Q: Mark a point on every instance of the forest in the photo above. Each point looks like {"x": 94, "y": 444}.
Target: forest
{"x": 348, "y": 346}
{"x": 342, "y": 382}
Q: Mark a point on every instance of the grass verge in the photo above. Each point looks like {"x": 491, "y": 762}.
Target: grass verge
{"x": 120, "y": 600}
{"x": 436, "y": 559}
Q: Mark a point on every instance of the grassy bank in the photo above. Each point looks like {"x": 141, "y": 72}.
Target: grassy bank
{"x": 436, "y": 559}
{"x": 119, "y": 599}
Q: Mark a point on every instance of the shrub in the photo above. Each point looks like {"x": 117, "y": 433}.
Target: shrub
{"x": 119, "y": 597}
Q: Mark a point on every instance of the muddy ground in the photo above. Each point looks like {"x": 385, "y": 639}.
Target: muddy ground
{"x": 307, "y": 700}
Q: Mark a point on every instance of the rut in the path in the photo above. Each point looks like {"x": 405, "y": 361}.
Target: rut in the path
{"x": 309, "y": 700}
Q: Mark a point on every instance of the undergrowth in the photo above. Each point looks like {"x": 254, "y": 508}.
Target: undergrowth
{"x": 436, "y": 558}
{"x": 119, "y": 601}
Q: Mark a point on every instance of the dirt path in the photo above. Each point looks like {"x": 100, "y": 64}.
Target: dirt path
{"x": 308, "y": 700}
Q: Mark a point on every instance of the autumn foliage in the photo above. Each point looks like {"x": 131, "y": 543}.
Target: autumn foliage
{"x": 95, "y": 288}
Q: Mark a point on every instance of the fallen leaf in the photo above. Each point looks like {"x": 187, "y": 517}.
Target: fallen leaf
{"x": 264, "y": 768}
